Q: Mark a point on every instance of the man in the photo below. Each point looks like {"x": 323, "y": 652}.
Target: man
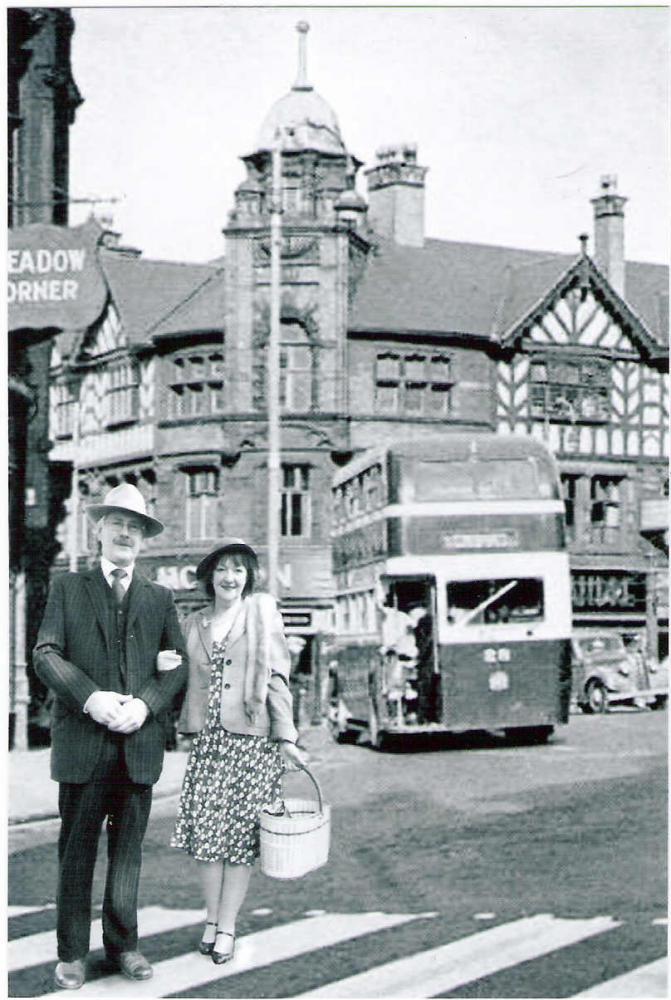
{"x": 111, "y": 650}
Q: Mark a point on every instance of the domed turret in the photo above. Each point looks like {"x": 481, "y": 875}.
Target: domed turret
{"x": 304, "y": 119}
{"x": 315, "y": 164}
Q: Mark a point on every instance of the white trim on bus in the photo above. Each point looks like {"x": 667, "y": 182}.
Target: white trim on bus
{"x": 479, "y": 507}
{"x": 551, "y": 567}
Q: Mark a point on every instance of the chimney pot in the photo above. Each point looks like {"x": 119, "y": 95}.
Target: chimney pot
{"x": 609, "y": 232}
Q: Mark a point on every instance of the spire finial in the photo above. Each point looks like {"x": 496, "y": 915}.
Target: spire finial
{"x": 302, "y": 79}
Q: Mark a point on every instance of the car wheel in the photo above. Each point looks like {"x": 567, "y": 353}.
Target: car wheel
{"x": 597, "y": 697}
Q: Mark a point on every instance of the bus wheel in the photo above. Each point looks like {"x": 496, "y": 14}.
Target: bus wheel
{"x": 597, "y": 698}
{"x": 659, "y": 702}
{"x": 524, "y": 735}
{"x": 337, "y": 723}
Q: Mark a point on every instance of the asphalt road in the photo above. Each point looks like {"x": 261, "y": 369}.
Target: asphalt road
{"x": 460, "y": 868}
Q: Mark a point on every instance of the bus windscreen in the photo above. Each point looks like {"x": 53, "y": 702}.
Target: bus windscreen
{"x": 503, "y": 479}
{"x": 494, "y": 602}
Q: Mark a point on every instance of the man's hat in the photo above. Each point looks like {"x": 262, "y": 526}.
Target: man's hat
{"x": 126, "y": 499}
{"x": 208, "y": 562}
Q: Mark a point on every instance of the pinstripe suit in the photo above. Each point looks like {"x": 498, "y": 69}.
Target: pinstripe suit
{"x": 101, "y": 773}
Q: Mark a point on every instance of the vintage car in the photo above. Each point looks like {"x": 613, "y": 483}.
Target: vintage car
{"x": 605, "y": 673}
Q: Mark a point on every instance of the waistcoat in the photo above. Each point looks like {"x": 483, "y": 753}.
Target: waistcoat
{"x": 118, "y": 618}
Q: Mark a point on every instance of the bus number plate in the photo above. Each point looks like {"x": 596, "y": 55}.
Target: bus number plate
{"x": 499, "y": 681}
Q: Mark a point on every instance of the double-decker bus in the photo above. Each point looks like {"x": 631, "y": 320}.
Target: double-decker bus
{"x": 453, "y": 597}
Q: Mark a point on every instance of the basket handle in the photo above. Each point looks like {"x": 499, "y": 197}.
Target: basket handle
{"x": 304, "y": 767}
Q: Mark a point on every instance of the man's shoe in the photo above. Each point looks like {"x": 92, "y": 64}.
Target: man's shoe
{"x": 134, "y": 965}
{"x": 70, "y": 975}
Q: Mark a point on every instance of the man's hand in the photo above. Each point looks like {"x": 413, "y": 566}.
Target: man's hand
{"x": 131, "y": 717}
{"x": 105, "y": 706}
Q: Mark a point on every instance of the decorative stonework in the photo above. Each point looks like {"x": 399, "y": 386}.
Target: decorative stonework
{"x": 304, "y": 249}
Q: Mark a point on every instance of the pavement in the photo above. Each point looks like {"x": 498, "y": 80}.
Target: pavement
{"x": 32, "y": 795}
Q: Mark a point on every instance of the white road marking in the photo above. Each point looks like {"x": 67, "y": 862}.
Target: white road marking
{"x": 252, "y": 952}
{"x": 439, "y": 970}
{"x": 151, "y": 920}
{"x": 484, "y": 916}
{"x": 649, "y": 980}
{"x": 20, "y": 911}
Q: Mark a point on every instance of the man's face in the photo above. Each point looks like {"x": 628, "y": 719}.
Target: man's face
{"x": 120, "y": 537}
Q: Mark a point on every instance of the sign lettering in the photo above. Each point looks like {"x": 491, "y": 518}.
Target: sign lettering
{"x": 54, "y": 278}
{"x": 600, "y": 591}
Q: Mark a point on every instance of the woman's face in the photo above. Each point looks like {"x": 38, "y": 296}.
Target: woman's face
{"x": 228, "y": 580}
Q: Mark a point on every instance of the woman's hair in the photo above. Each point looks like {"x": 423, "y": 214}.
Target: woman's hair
{"x": 241, "y": 557}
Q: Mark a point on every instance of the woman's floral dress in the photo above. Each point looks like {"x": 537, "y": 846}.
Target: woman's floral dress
{"x": 229, "y": 778}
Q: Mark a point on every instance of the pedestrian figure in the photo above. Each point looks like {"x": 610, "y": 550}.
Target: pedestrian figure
{"x": 111, "y": 650}
{"x": 239, "y": 705}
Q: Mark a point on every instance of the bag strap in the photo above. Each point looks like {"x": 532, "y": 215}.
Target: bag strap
{"x": 306, "y": 769}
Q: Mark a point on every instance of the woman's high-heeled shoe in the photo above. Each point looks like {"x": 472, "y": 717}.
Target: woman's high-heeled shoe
{"x": 219, "y": 957}
{"x": 206, "y": 947}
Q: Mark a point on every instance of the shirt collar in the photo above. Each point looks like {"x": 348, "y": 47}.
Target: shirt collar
{"x": 108, "y": 567}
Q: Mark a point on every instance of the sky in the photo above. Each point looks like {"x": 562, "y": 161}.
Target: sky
{"x": 517, "y": 113}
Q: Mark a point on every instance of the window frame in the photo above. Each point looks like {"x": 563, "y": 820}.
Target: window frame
{"x": 288, "y": 491}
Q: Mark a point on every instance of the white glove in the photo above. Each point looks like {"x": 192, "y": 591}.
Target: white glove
{"x": 131, "y": 717}
{"x": 167, "y": 659}
{"x": 105, "y": 706}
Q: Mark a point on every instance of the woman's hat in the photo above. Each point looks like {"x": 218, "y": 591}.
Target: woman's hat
{"x": 208, "y": 562}
{"x": 127, "y": 499}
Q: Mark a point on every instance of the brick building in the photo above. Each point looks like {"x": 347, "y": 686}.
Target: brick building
{"x": 42, "y": 98}
{"x": 385, "y": 334}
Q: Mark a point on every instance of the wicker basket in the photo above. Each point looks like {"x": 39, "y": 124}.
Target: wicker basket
{"x": 296, "y": 841}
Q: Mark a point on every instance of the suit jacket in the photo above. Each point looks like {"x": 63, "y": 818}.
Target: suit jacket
{"x": 72, "y": 656}
{"x": 275, "y": 718}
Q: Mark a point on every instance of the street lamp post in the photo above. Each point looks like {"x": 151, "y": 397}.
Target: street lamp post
{"x": 273, "y": 368}
{"x": 74, "y": 491}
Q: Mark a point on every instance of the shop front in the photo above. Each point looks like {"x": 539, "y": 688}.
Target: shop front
{"x": 630, "y": 602}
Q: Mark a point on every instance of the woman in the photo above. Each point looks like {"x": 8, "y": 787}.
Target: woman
{"x": 239, "y": 704}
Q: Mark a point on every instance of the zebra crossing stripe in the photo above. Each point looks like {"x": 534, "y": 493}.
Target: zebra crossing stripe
{"x": 647, "y": 981}
{"x": 440, "y": 970}
{"x": 151, "y": 920}
{"x": 20, "y": 911}
{"x": 253, "y": 951}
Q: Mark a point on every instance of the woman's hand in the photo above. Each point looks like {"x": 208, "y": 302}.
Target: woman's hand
{"x": 291, "y": 755}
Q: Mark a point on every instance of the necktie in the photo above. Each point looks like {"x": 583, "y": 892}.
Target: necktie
{"x": 117, "y": 588}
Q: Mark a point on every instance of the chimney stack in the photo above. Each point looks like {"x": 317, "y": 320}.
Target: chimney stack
{"x": 396, "y": 195}
{"x": 609, "y": 232}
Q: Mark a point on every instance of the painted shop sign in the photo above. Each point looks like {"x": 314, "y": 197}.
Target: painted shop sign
{"x": 54, "y": 277}
{"x": 603, "y": 591}
{"x": 176, "y": 577}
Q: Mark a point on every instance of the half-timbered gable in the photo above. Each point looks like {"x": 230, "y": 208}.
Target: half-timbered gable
{"x": 581, "y": 371}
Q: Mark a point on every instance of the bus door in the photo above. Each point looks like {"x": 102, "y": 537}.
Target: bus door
{"x": 409, "y": 642}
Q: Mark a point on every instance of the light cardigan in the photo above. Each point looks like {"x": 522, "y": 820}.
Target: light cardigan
{"x": 255, "y": 696}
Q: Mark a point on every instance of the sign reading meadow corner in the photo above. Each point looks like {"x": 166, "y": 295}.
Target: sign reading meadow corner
{"x": 54, "y": 277}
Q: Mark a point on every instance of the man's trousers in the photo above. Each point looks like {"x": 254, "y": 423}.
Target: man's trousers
{"x": 83, "y": 807}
